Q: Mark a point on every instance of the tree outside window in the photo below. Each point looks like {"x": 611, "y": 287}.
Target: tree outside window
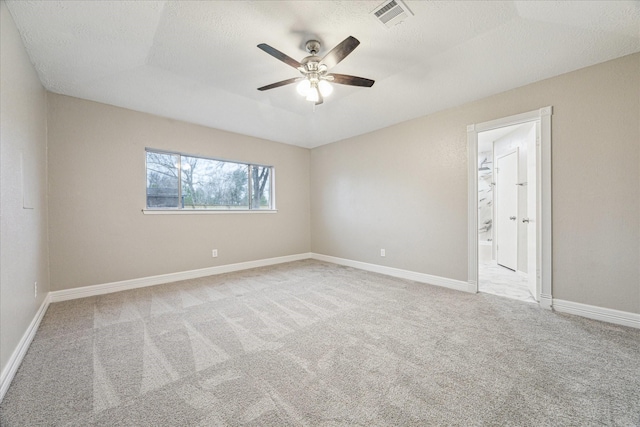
{"x": 181, "y": 181}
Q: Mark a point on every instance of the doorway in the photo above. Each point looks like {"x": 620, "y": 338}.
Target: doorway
{"x": 510, "y": 204}
{"x": 511, "y": 152}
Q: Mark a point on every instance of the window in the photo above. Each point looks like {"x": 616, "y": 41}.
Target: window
{"x": 185, "y": 182}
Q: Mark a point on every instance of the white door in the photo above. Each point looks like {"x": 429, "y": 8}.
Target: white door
{"x": 532, "y": 210}
{"x": 507, "y": 210}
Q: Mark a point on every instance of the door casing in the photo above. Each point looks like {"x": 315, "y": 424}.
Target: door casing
{"x": 543, "y": 196}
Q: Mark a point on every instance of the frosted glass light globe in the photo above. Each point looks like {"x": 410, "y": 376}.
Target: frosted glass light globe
{"x": 303, "y": 87}
{"x": 325, "y": 87}
{"x": 313, "y": 95}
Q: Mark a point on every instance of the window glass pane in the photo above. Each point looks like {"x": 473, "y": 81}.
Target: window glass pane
{"x": 214, "y": 184}
{"x": 188, "y": 182}
{"x": 162, "y": 180}
{"x": 260, "y": 187}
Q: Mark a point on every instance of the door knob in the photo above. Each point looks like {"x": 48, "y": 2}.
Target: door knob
{"x": 525, "y": 220}
{"x": 512, "y": 218}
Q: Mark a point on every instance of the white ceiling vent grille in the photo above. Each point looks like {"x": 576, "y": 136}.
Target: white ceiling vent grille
{"x": 392, "y": 12}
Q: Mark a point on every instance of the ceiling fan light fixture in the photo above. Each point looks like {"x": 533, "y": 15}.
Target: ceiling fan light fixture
{"x": 316, "y": 80}
{"x": 313, "y": 94}
{"x": 303, "y": 87}
{"x": 325, "y": 87}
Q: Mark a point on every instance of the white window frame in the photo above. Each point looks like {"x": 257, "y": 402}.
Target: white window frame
{"x": 230, "y": 210}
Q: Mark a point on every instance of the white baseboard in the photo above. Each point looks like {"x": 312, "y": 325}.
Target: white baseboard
{"x": 23, "y": 345}
{"x": 124, "y": 285}
{"x": 618, "y": 317}
{"x": 458, "y": 285}
{"x": 546, "y": 301}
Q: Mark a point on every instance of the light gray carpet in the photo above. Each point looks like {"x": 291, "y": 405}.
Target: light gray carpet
{"x": 309, "y": 343}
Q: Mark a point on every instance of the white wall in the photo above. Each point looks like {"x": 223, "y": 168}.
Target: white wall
{"x": 485, "y": 196}
{"x": 23, "y": 232}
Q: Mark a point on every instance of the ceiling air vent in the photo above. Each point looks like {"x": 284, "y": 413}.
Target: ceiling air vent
{"x": 392, "y": 13}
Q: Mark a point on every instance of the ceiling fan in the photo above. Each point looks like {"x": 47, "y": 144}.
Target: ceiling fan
{"x": 314, "y": 84}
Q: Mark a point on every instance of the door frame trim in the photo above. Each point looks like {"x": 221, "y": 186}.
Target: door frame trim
{"x": 543, "y": 222}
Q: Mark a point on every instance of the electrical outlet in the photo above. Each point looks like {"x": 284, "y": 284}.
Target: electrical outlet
{"x": 35, "y": 290}
{"x": 383, "y": 252}
{"x": 214, "y": 253}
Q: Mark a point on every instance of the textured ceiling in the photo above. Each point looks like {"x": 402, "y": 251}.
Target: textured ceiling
{"x": 197, "y": 61}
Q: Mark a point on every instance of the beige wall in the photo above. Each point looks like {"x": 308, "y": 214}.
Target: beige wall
{"x": 98, "y": 233}
{"x": 23, "y": 232}
{"x": 404, "y": 188}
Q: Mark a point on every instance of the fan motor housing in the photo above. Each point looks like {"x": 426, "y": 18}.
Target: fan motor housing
{"x": 313, "y": 47}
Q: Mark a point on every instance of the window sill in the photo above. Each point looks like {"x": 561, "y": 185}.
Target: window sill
{"x": 206, "y": 211}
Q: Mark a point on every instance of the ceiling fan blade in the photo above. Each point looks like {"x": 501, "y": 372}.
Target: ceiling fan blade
{"x": 279, "y": 55}
{"x": 344, "y": 79}
{"x": 282, "y": 83}
{"x": 340, "y": 52}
